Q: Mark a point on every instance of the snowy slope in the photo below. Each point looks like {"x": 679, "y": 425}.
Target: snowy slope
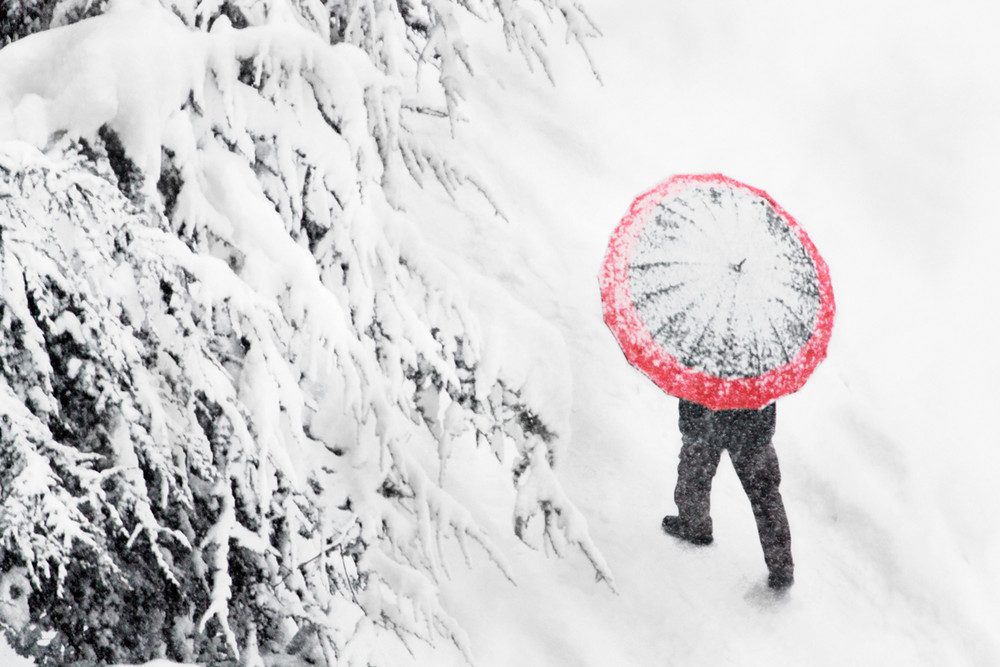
{"x": 876, "y": 126}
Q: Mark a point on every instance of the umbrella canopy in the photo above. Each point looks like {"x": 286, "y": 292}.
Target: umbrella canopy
{"x": 716, "y": 293}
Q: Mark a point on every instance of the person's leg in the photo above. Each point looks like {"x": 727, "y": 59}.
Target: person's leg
{"x": 757, "y": 468}
{"x": 695, "y": 469}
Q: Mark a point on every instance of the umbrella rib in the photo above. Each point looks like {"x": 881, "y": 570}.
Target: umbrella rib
{"x": 650, "y": 265}
{"x": 684, "y": 202}
{"x": 668, "y": 238}
{"x": 805, "y": 325}
{"x": 679, "y": 214}
{"x": 781, "y": 343}
{"x": 808, "y": 290}
{"x": 665, "y": 221}
{"x": 708, "y": 325}
{"x": 710, "y": 209}
{"x": 759, "y": 358}
{"x": 757, "y": 355}
{"x": 715, "y": 233}
{"x": 736, "y": 208}
{"x": 729, "y": 323}
{"x": 747, "y": 230}
{"x": 697, "y": 344}
{"x": 669, "y": 323}
{"x": 649, "y": 296}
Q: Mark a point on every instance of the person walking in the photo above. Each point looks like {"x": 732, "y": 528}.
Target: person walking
{"x": 747, "y": 436}
{"x": 719, "y": 296}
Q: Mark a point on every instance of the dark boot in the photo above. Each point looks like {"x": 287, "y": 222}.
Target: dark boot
{"x": 677, "y": 527}
{"x": 780, "y": 580}
{"x": 695, "y": 469}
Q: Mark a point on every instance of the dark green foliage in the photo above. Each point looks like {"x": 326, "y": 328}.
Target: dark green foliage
{"x": 130, "y": 178}
{"x": 19, "y": 18}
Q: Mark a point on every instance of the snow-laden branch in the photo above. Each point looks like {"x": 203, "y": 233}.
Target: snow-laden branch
{"x": 232, "y": 372}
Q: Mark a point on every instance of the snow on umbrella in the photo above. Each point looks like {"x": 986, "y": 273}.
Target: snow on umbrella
{"x": 716, "y": 293}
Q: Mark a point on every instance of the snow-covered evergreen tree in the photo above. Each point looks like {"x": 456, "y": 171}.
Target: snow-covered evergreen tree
{"x": 231, "y": 372}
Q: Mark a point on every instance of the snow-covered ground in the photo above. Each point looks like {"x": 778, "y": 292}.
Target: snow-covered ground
{"x": 876, "y": 126}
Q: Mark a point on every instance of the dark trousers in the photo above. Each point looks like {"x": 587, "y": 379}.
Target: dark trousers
{"x": 757, "y": 468}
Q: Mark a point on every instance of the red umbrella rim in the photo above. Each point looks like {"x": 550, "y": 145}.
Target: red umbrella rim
{"x": 661, "y": 367}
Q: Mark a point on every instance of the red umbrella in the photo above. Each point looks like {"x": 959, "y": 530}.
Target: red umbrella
{"x": 716, "y": 293}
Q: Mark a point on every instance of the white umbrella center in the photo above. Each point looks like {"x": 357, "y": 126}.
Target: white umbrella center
{"x": 723, "y": 283}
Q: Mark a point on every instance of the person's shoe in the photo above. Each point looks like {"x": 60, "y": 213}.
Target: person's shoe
{"x": 677, "y": 527}
{"x": 780, "y": 580}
